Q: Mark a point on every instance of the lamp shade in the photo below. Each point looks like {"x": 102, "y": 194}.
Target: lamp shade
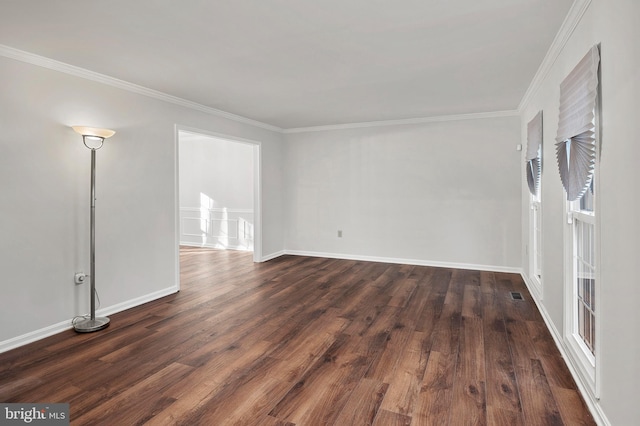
{"x": 93, "y": 131}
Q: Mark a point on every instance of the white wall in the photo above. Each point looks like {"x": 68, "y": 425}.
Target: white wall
{"x": 614, "y": 25}
{"x": 432, "y": 193}
{"x": 216, "y": 192}
{"x": 44, "y": 203}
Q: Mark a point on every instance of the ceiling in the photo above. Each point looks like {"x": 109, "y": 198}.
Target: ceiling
{"x": 301, "y": 63}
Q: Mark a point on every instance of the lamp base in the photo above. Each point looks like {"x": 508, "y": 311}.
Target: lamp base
{"x": 88, "y": 325}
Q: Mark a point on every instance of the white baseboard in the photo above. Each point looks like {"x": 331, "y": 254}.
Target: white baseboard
{"x": 417, "y": 262}
{"x": 272, "y": 256}
{"x": 592, "y": 403}
{"x": 215, "y": 246}
{"x": 35, "y": 335}
{"x": 132, "y": 303}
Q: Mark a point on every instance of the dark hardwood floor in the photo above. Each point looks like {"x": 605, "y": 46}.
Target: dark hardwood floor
{"x": 309, "y": 341}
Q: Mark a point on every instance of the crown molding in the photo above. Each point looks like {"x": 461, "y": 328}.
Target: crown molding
{"x": 420, "y": 120}
{"x": 571, "y": 21}
{"x": 574, "y": 16}
{"x": 41, "y": 61}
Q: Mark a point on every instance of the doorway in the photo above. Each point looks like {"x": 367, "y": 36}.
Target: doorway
{"x": 217, "y": 192}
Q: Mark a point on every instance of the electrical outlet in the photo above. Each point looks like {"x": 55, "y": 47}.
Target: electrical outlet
{"x": 80, "y": 277}
{"x": 339, "y": 233}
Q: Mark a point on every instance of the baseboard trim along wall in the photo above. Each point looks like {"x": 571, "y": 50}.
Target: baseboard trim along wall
{"x": 217, "y": 228}
{"x": 215, "y": 246}
{"x": 132, "y": 303}
{"x": 593, "y": 405}
{"x": 417, "y": 262}
{"x": 33, "y": 336}
{"x": 272, "y": 256}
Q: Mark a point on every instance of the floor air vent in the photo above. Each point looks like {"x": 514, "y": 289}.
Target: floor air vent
{"x": 516, "y": 295}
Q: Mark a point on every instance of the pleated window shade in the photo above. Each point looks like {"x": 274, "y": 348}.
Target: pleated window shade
{"x": 576, "y": 142}
{"x": 534, "y": 147}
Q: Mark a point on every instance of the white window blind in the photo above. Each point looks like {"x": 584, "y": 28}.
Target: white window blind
{"x": 575, "y": 142}
{"x": 534, "y": 160}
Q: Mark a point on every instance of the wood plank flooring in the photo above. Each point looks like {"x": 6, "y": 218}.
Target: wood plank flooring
{"x": 309, "y": 341}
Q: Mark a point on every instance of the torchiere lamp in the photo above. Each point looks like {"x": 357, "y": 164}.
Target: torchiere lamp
{"x": 93, "y": 139}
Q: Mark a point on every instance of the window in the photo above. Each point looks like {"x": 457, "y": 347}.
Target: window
{"x": 536, "y": 239}
{"x": 584, "y": 269}
{"x": 534, "y": 172}
{"x": 577, "y": 163}
{"x": 581, "y": 283}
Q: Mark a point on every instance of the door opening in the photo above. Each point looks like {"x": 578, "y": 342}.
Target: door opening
{"x": 217, "y": 192}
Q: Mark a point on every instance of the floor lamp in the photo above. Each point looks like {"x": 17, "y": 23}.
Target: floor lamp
{"x": 93, "y": 139}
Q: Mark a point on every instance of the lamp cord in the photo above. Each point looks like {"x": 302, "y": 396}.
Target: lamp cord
{"x": 86, "y": 316}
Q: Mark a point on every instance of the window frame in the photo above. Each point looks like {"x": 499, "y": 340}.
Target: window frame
{"x": 535, "y": 137}
{"x": 587, "y": 363}
{"x": 535, "y": 240}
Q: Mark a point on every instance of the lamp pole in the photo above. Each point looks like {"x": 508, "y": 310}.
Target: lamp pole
{"x": 92, "y": 258}
{"x": 93, "y": 139}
